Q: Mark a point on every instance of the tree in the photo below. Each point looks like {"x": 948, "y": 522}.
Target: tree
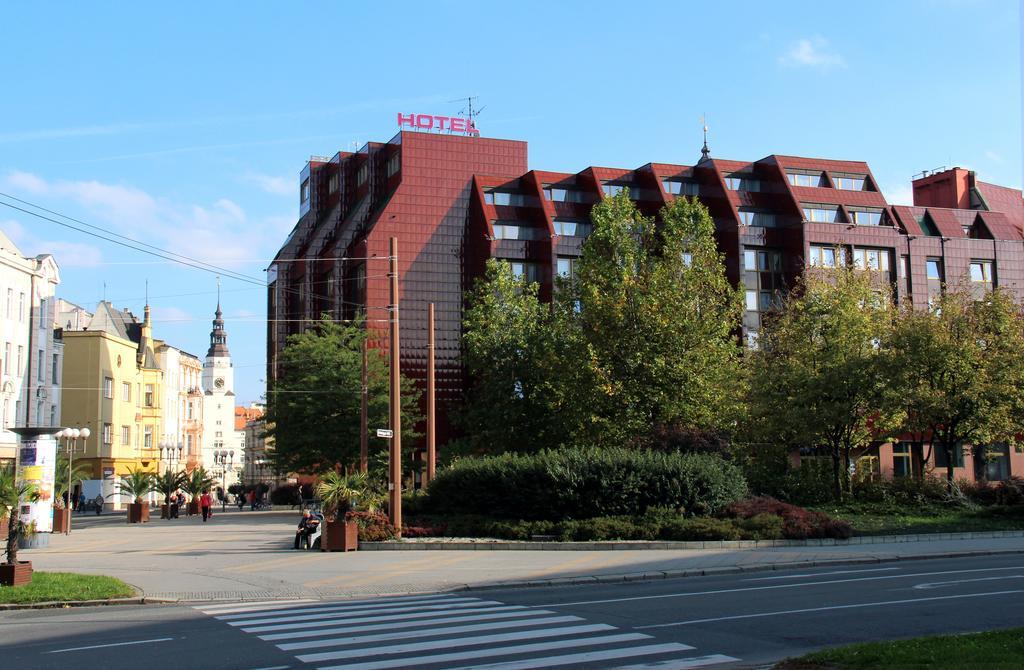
{"x": 63, "y": 485}
{"x": 12, "y": 492}
{"x": 958, "y": 371}
{"x": 818, "y": 377}
{"x": 527, "y": 363}
{"x": 659, "y": 318}
{"x": 169, "y": 482}
{"x": 136, "y": 484}
{"x": 197, "y": 482}
{"x": 314, "y": 407}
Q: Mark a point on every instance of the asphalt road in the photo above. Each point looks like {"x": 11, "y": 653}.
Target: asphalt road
{"x": 744, "y": 620}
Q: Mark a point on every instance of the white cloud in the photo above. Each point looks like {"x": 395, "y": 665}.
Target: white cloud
{"x": 814, "y": 52}
{"x": 171, "y": 314}
{"x": 899, "y": 194}
{"x": 67, "y": 254}
{"x": 993, "y": 156}
{"x": 272, "y": 185}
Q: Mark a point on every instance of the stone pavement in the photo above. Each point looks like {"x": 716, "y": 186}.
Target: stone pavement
{"x": 248, "y": 555}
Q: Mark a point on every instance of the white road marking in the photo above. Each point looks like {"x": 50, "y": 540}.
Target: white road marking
{"x": 935, "y": 585}
{"x": 452, "y": 642}
{"x": 367, "y": 619}
{"x": 427, "y": 632}
{"x": 773, "y": 586}
{"x": 495, "y": 651}
{"x": 344, "y": 614}
{"x": 332, "y": 607}
{"x": 245, "y": 606}
{"x": 113, "y": 644}
{"x": 404, "y": 624}
{"x": 817, "y": 574}
{"x": 682, "y": 663}
{"x": 825, "y": 609}
{"x": 610, "y": 655}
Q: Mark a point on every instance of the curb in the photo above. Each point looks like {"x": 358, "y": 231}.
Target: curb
{"x": 61, "y": 604}
{"x": 656, "y": 545}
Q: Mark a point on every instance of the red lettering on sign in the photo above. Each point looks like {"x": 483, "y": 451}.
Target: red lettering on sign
{"x": 424, "y": 121}
{"x": 458, "y": 125}
{"x": 407, "y": 119}
{"x": 440, "y": 121}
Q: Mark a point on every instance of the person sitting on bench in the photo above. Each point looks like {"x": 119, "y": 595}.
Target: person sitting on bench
{"x": 307, "y": 524}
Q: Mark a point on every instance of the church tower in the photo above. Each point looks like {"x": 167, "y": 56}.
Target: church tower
{"x": 218, "y": 373}
{"x": 222, "y": 456}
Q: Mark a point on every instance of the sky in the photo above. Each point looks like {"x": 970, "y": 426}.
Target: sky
{"x": 185, "y": 125}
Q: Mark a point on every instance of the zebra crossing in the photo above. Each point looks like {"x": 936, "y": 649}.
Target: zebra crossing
{"x": 449, "y": 631}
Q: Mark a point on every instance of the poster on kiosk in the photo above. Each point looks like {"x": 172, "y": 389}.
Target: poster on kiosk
{"x": 37, "y": 462}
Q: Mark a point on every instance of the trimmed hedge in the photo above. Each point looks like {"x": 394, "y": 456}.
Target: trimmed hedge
{"x": 585, "y": 483}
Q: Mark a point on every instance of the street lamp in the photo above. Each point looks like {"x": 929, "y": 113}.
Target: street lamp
{"x": 71, "y": 435}
{"x": 225, "y": 459}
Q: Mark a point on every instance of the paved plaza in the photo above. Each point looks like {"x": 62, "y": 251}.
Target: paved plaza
{"x": 248, "y": 555}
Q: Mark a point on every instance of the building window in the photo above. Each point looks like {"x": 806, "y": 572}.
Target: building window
{"x": 680, "y": 187}
{"x": 813, "y": 179}
{"x": 126, "y": 392}
{"x": 7, "y": 358}
{"x": 752, "y": 217}
{"x": 108, "y": 388}
{"x": 332, "y": 184}
{"x": 394, "y": 163}
{"x": 41, "y": 366}
{"x": 10, "y": 301}
{"x": 612, "y": 190}
{"x": 867, "y": 217}
{"x": 188, "y": 444}
{"x": 871, "y": 259}
{"x": 505, "y": 198}
{"x": 56, "y": 366}
{"x": 53, "y": 415}
{"x": 566, "y": 266}
{"x": 149, "y": 395}
{"x": 572, "y": 228}
{"x": 513, "y": 230}
{"x": 21, "y": 307}
{"x": 935, "y": 269}
{"x": 821, "y": 214}
{"x": 147, "y": 437}
{"x": 992, "y": 461}
{"x": 849, "y": 182}
{"x": 126, "y": 436}
{"x": 739, "y": 182}
{"x": 751, "y": 339}
{"x": 902, "y": 465}
{"x": 982, "y": 272}
{"x": 523, "y": 271}
{"x": 941, "y": 461}
{"x": 928, "y": 226}
{"x": 556, "y": 194}
{"x": 304, "y": 192}
{"x": 687, "y": 258}
{"x": 362, "y": 174}
{"x": 826, "y": 257}
{"x": 21, "y": 361}
{"x": 108, "y": 437}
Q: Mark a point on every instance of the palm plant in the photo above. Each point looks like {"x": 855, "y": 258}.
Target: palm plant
{"x": 136, "y": 484}
{"x": 198, "y": 481}
{"x": 168, "y": 483}
{"x": 341, "y": 493}
{"x": 11, "y": 494}
{"x": 63, "y": 484}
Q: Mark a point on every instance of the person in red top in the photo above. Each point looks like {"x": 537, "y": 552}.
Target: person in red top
{"x": 204, "y": 503}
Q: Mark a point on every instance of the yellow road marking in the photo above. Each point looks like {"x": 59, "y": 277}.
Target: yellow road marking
{"x": 561, "y": 567}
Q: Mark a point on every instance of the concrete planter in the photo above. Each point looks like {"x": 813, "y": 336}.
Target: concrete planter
{"x": 193, "y": 508}
{"x": 61, "y": 520}
{"x": 339, "y": 535}
{"x": 34, "y": 541}
{"x": 16, "y": 575}
{"x": 138, "y": 513}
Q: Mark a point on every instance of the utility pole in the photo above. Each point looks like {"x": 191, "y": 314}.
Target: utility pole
{"x": 363, "y": 427}
{"x": 395, "y": 506}
{"x": 431, "y": 421}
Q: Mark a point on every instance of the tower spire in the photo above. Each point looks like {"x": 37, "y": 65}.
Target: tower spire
{"x": 218, "y": 336}
{"x": 705, "y": 152}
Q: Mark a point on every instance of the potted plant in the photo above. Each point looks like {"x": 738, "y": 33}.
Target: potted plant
{"x": 340, "y": 494}
{"x": 63, "y": 485}
{"x": 195, "y": 483}
{"x": 167, "y": 484}
{"x": 135, "y": 485}
{"x": 12, "y": 571}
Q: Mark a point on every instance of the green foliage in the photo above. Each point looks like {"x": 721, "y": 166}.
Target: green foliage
{"x": 65, "y": 586}
{"x": 12, "y": 492}
{"x": 957, "y": 370}
{"x": 198, "y": 481}
{"x": 62, "y": 484}
{"x": 314, "y": 407}
{"x": 373, "y": 526}
{"x": 583, "y": 483}
{"x": 342, "y": 493}
{"x": 169, "y": 482}
{"x": 818, "y": 379}
{"x": 136, "y": 484}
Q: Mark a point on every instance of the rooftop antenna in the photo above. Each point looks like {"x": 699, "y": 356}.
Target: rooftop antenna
{"x": 469, "y": 112}
{"x": 705, "y": 152}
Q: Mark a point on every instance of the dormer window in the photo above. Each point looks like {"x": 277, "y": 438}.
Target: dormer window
{"x": 742, "y": 182}
{"x": 679, "y": 187}
{"x": 867, "y": 217}
{"x": 558, "y": 194}
{"x": 753, "y": 217}
{"x": 612, "y": 190}
{"x": 393, "y": 164}
{"x": 361, "y": 175}
{"x": 849, "y": 182}
{"x": 805, "y": 178}
{"x": 332, "y": 184}
{"x": 572, "y": 227}
{"x": 304, "y": 192}
{"x": 516, "y": 230}
{"x": 821, "y": 213}
{"x": 505, "y": 198}
{"x": 928, "y": 226}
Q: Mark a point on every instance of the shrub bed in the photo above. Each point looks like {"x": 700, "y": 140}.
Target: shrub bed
{"x": 585, "y": 484}
{"x": 797, "y": 523}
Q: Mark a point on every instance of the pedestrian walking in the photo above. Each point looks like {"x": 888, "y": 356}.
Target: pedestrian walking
{"x": 81, "y": 501}
{"x": 252, "y": 500}
{"x": 204, "y": 504}
{"x": 98, "y": 501}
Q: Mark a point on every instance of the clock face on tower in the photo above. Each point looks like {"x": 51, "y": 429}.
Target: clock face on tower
{"x": 219, "y": 382}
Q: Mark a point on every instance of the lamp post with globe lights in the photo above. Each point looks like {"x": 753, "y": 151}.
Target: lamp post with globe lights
{"x": 225, "y": 459}
{"x": 71, "y": 437}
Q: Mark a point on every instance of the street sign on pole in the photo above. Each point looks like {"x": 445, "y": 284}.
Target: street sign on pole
{"x": 385, "y": 432}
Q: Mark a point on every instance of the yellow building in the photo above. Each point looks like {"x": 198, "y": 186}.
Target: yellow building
{"x": 114, "y": 385}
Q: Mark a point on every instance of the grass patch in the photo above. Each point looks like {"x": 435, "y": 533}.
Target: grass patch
{"x": 50, "y": 586}
{"x": 885, "y": 519}
{"x": 993, "y": 650}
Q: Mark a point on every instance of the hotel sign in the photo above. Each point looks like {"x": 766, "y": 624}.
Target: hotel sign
{"x": 453, "y": 124}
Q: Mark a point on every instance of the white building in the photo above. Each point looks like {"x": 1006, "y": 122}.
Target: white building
{"x": 31, "y": 353}
{"x": 221, "y": 454}
{"x": 181, "y": 442}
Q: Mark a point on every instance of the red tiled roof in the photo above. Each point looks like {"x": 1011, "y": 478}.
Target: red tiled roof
{"x": 1003, "y": 199}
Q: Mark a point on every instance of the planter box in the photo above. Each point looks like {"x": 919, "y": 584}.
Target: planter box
{"x": 193, "y": 508}
{"x": 61, "y": 520}
{"x": 138, "y": 513}
{"x": 339, "y": 536}
{"x": 16, "y": 575}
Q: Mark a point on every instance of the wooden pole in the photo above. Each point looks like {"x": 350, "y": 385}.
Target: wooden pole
{"x": 364, "y": 429}
{"x": 395, "y": 500}
{"x": 431, "y": 419}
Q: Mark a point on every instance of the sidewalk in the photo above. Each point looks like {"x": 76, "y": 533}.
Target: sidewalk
{"x": 248, "y": 555}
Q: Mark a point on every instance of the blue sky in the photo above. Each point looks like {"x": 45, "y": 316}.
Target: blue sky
{"x": 185, "y": 124}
